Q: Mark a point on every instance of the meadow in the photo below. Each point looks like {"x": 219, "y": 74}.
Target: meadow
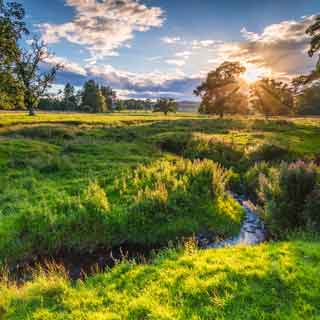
{"x": 78, "y": 185}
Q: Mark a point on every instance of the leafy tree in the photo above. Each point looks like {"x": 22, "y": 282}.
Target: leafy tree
{"x": 308, "y": 101}
{"x": 166, "y": 105}
{"x": 120, "y": 105}
{"x": 28, "y": 69}
{"x": 12, "y": 27}
{"x": 92, "y": 98}
{"x": 109, "y": 96}
{"x": 271, "y": 97}
{"x": 314, "y": 32}
{"x": 70, "y": 100}
{"x": 220, "y": 87}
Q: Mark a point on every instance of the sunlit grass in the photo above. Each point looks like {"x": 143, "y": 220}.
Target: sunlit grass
{"x": 274, "y": 281}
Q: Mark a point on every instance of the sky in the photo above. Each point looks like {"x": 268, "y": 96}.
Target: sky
{"x": 153, "y": 48}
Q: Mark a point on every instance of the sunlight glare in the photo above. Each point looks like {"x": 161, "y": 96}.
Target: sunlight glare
{"x": 254, "y": 73}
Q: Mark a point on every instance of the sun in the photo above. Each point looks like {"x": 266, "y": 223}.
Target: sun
{"x": 253, "y": 73}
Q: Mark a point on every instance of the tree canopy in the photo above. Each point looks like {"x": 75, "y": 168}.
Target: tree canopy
{"x": 220, "y": 88}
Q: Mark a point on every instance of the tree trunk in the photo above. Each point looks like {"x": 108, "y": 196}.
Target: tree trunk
{"x": 30, "y": 107}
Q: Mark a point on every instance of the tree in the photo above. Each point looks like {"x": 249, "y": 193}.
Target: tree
{"x": 28, "y": 69}
{"x": 166, "y": 105}
{"x": 109, "y": 96}
{"x": 12, "y": 27}
{"x": 271, "y": 97}
{"x": 220, "y": 87}
{"x": 308, "y": 101}
{"x": 314, "y": 32}
{"x": 92, "y": 98}
{"x": 70, "y": 101}
{"x": 120, "y": 105}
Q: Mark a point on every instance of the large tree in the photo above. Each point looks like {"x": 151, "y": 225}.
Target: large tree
{"x": 12, "y": 27}
{"x": 166, "y": 105}
{"x": 35, "y": 82}
{"x": 220, "y": 88}
{"x": 314, "y": 32}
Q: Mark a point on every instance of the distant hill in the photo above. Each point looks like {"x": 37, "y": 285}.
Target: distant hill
{"x": 188, "y": 106}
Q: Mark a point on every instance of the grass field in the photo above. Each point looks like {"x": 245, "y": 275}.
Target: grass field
{"x": 79, "y": 183}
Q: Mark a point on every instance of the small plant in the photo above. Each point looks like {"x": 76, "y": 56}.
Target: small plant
{"x": 96, "y": 197}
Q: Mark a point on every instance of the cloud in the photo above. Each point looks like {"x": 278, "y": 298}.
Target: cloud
{"x": 183, "y": 54}
{"x": 68, "y": 65}
{"x": 281, "y": 47}
{"x": 171, "y": 40}
{"x": 176, "y": 62}
{"x": 136, "y": 85}
{"x": 103, "y": 26}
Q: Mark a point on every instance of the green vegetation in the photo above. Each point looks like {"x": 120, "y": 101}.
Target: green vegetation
{"x": 78, "y": 183}
{"x": 271, "y": 281}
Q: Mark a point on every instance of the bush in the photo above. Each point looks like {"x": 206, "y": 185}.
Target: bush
{"x": 311, "y": 212}
{"x": 285, "y": 194}
{"x": 252, "y": 179}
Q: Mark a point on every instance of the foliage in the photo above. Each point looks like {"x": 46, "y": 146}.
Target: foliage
{"x": 252, "y": 178}
{"x": 34, "y": 82}
{"x": 285, "y": 194}
{"x": 314, "y": 31}
{"x": 308, "y": 101}
{"x": 220, "y": 92}
{"x": 271, "y": 97}
{"x": 92, "y": 98}
{"x": 12, "y": 28}
{"x": 166, "y": 105}
{"x": 109, "y": 96}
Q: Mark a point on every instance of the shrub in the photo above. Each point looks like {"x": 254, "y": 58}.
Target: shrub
{"x": 311, "y": 212}
{"x": 285, "y": 194}
{"x": 252, "y": 179}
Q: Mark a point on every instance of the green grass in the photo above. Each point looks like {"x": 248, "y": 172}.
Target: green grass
{"x": 271, "y": 281}
{"x": 80, "y": 182}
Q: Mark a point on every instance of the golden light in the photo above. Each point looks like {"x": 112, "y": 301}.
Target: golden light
{"x": 254, "y": 73}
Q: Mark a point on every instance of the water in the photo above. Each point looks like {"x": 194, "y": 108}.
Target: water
{"x": 252, "y": 232}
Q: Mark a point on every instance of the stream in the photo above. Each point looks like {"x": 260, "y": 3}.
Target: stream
{"x": 253, "y": 230}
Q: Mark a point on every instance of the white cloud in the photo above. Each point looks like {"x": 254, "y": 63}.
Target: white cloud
{"x": 68, "y": 65}
{"x": 171, "y": 40}
{"x": 183, "y": 54}
{"x": 176, "y": 62}
{"x": 103, "y": 26}
{"x": 281, "y": 47}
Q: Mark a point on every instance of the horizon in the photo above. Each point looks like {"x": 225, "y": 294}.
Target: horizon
{"x": 149, "y": 49}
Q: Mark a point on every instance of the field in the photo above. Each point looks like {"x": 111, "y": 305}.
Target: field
{"x": 76, "y": 185}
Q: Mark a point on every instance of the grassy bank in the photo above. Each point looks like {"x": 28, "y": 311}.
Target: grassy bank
{"x": 271, "y": 281}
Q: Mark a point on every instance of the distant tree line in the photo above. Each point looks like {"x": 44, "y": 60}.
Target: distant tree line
{"x": 92, "y": 98}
